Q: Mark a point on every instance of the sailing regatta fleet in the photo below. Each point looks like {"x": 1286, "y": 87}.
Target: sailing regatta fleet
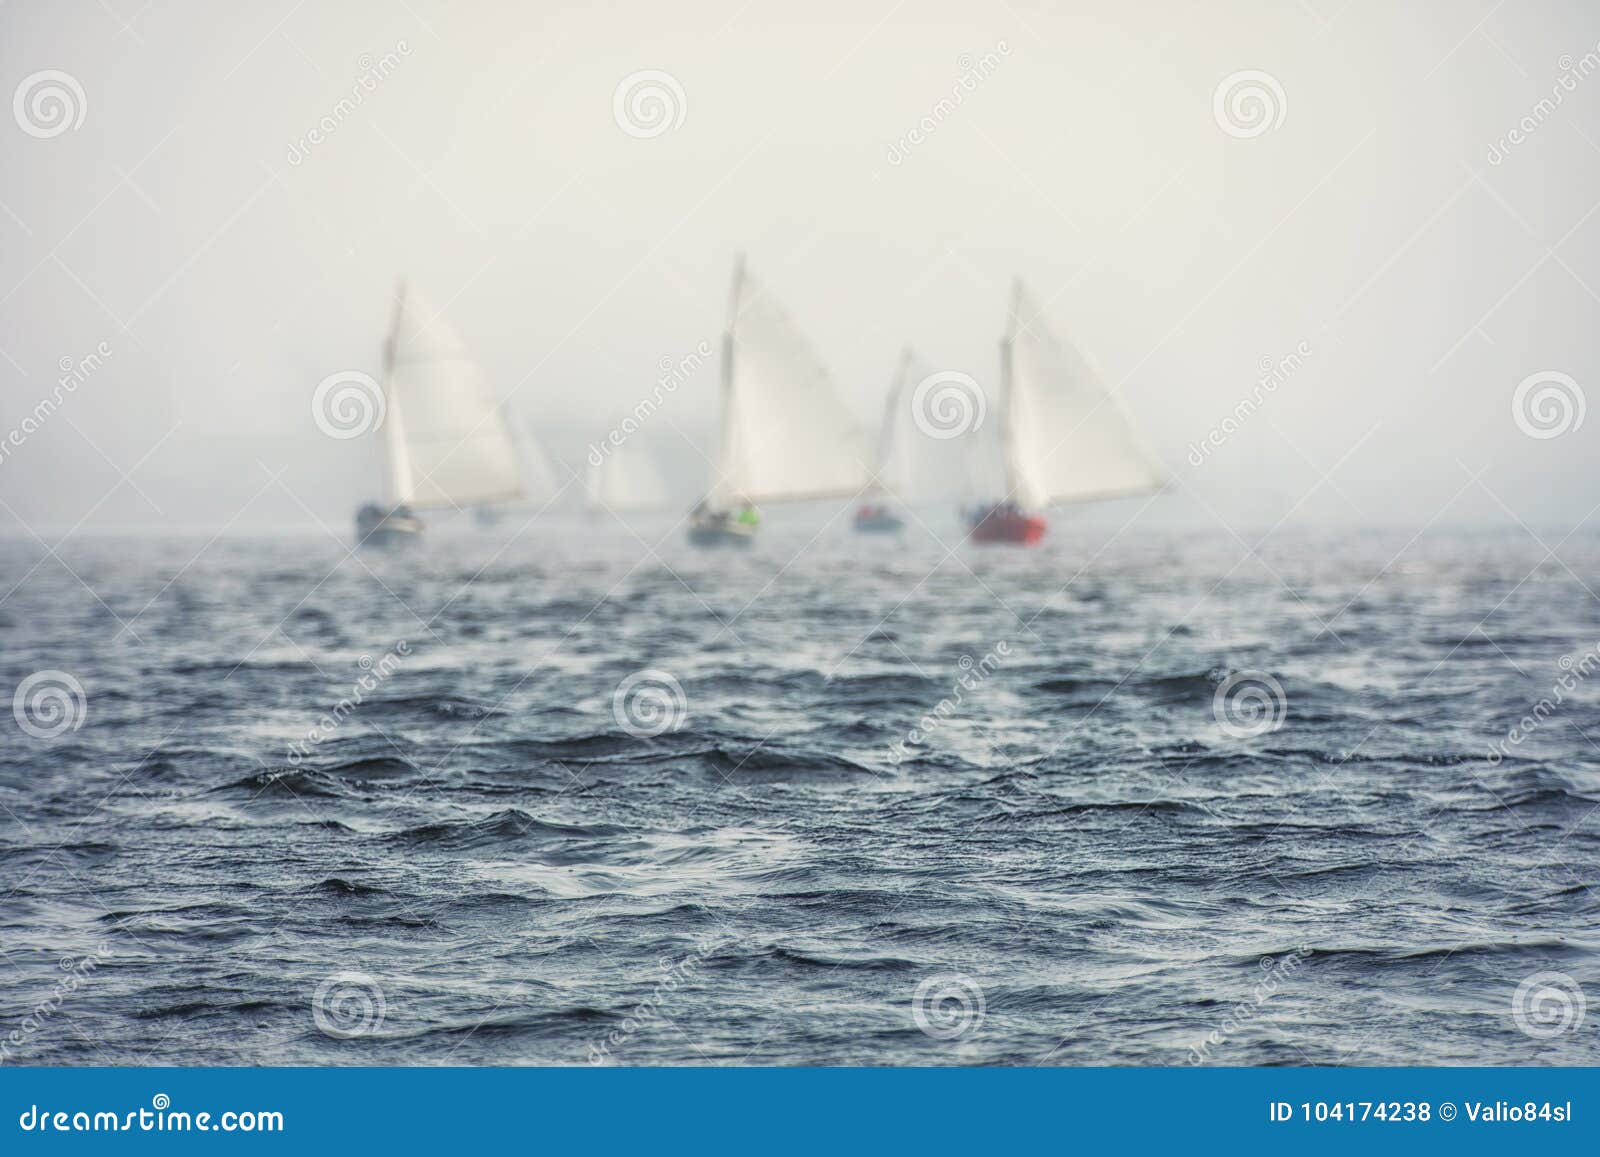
{"x": 786, "y": 434}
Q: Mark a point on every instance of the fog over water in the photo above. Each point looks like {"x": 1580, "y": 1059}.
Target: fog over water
{"x": 1414, "y": 224}
{"x": 1291, "y": 761}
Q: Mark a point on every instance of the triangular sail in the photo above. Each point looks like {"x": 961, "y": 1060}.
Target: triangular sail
{"x": 896, "y": 442}
{"x": 1065, "y": 438}
{"x": 539, "y": 482}
{"x": 448, "y": 443}
{"x": 786, "y": 435}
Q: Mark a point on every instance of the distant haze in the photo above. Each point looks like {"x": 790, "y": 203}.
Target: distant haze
{"x": 1412, "y": 229}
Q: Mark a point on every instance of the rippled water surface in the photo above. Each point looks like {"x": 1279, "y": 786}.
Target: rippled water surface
{"x": 1069, "y": 862}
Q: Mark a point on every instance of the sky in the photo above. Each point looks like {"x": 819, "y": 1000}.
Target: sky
{"x": 1401, "y": 207}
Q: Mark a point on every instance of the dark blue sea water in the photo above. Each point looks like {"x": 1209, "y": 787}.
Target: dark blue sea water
{"x": 481, "y": 856}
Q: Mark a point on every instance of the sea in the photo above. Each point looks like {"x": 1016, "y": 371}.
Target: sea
{"x": 578, "y": 794}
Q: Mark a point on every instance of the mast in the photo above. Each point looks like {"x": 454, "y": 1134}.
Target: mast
{"x": 1008, "y": 447}
{"x": 396, "y": 459}
{"x": 891, "y": 407}
{"x": 721, "y": 483}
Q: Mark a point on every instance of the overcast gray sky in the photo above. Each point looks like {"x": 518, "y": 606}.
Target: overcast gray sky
{"x": 1380, "y": 217}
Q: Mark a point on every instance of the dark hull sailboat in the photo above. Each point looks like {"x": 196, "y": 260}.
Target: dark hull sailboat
{"x": 878, "y": 520}
{"x": 376, "y": 526}
{"x": 786, "y": 435}
{"x": 726, "y": 531}
{"x": 446, "y": 443}
{"x": 877, "y": 513}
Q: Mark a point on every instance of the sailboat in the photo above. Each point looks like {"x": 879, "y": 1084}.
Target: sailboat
{"x": 446, "y": 443}
{"x": 1063, "y": 436}
{"x": 786, "y": 436}
{"x": 877, "y": 514}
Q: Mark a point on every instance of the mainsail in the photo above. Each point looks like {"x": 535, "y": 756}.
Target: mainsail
{"x": 897, "y": 468}
{"x": 447, "y": 442}
{"x": 538, "y": 476}
{"x": 1065, "y": 438}
{"x": 785, "y": 435}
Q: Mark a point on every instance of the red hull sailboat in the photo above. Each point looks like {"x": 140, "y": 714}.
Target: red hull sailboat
{"x": 1063, "y": 437}
{"x": 1005, "y": 523}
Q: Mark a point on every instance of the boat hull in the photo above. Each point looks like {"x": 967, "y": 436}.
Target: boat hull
{"x": 878, "y": 523}
{"x": 714, "y": 536}
{"x": 1013, "y": 527}
{"x": 713, "y": 529}
{"x": 383, "y": 529}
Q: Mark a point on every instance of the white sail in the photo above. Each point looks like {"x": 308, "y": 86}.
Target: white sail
{"x": 538, "y": 475}
{"x": 1065, "y": 437}
{"x": 898, "y": 440}
{"x": 625, "y": 479}
{"x": 786, "y": 435}
{"x": 448, "y": 443}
